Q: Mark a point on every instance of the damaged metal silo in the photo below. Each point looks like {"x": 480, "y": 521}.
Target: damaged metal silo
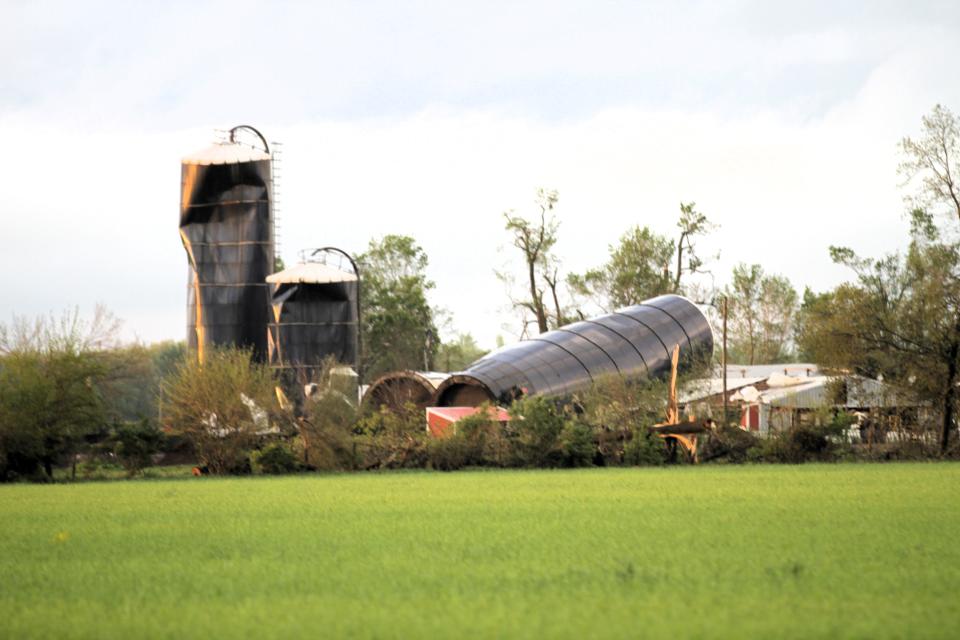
{"x": 226, "y": 225}
{"x": 635, "y": 342}
{"x": 314, "y": 316}
{"x": 397, "y": 388}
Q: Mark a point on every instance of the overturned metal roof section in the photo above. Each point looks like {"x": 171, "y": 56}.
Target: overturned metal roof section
{"x": 394, "y": 389}
{"x": 635, "y": 343}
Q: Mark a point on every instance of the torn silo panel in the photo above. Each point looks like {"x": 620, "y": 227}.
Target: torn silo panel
{"x": 397, "y": 388}
{"x": 314, "y": 316}
{"x": 226, "y": 226}
{"x": 635, "y": 342}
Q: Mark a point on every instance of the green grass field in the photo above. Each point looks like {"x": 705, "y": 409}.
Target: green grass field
{"x": 865, "y": 551}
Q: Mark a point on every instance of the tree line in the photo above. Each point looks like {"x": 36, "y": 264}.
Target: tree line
{"x": 67, "y": 385}
{"x": 896, "y": 318}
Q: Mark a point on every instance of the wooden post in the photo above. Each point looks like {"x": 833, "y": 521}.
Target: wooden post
{"x": 723, "y": 360}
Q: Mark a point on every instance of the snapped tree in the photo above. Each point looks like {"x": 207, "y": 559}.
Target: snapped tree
{"x": 535, "y": 238}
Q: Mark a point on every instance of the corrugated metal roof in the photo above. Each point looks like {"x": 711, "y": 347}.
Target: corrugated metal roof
{"x": 809, "y": 395}
{"x": 858, "y": 392}
{"x": 700, "y": 389}
{"x": 802, "y": 369}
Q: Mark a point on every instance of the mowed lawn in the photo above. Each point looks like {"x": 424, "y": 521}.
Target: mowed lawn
{"x": 867, "y": 551}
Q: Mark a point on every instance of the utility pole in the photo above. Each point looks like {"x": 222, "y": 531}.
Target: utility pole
{"x": 723, "y": 361}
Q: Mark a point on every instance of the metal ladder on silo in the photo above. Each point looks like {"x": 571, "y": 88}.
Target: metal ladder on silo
{"x": 276, "y": 154}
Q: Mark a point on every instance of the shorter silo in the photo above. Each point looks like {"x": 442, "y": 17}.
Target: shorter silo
{"x": 314, "y": 316}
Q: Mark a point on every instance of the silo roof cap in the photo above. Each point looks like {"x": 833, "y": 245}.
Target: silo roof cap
{"x": 312, "y": 273}
{"x": 226, "y": 153}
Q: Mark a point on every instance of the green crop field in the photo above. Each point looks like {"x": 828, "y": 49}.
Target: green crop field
{"x": 865, "y": 551}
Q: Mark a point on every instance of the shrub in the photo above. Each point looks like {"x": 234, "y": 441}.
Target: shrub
{"x": 537, "y": 423}
{"x": 616, "y": 410}
{"x": 449, "y": 453}
{"x": 222, "y": 407}
{"x": 578, "y": 444}
{"x": 644, "y": 449}
{"x": 274, "y": 459}
{"x": 729, "y": 443}
{"x": 327, "y": 428}
{"x": 803, "y": 442}
{"x": 135, "y": 443}
{"x": 387, "y": 439}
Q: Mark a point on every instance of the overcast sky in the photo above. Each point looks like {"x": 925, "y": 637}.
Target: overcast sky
{"x": 432, "y": 118}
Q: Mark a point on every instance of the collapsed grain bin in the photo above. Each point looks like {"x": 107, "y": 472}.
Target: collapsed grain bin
{"x": 314, "y": 316}
{"x": 226, "y": 225}
{"x": 397, "y": 388}
{"x": 635, "y": 343}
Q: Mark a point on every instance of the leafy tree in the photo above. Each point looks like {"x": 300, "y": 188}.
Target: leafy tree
{"x": 135, "y": 443}
{"x": 638, "y": 269}
{"x": 48, "y": 404}
{"x": 458, "y": 353}
{"x": 933, "y": 160}
{"x": 398, "y": 322}
{"x": 762, "y": 309}
{"x": 646, "y": 264}
{"x": 898, "y": 318}
{"x": 50, "y": 368}
{"x": 535, "y": 239}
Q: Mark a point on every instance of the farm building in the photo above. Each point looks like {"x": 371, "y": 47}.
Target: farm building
{"x": 443, "y": 421}
{"x": 778, "y": 401}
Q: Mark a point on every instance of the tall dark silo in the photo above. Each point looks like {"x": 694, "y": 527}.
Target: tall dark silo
{"x": 636, "y": 343}
{"x": 226, "y": 225}
{"x": 314, "y": 315}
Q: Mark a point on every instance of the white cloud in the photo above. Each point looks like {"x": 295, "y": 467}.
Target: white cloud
{"x": 782, "y": 128}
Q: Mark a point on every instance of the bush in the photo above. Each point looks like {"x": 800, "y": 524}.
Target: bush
{"x": 537, "y": 424}
{"x": 616, "y": 409}
{"x": 134, "y": 445}
{"x": 327, "y": 430}
{"x": 578, "y": 444}
{"x": 802, "y": 443}
{"x": 449, "y": 453}
{"x": 729, "y": 443}
{"x": 222, "y": 407}
{"x": 274, "y": 459}
{"x": 387, "y": 439}
{"x": 644, "y": 449}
